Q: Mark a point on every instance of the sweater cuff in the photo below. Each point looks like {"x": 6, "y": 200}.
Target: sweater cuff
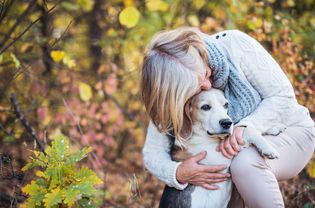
{"x": 175, "y": 182}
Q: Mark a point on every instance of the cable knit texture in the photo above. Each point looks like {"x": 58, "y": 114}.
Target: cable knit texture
{"x": 249, "y": 62}
{"x": 243, "y": 98}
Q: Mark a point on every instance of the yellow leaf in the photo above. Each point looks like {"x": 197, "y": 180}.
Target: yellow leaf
{"x": 68, "y": 62}
{"x": 156, "y": 5}
{"x": 311, "y": 168}
{"x": 57, "y": 55}
{"x": 128, "y": 2}
{"x": 40, "y": 174}
{"x": 15, "y": 60}
{"x": 129, "y": 16}
{"x": 86, "y": 5}
{"x": 199, "y": 3}
{"x": 193, "y": 20}
{"x": 85, "y": 91}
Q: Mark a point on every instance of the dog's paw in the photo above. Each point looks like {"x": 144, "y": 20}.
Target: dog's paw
{"x": 269, "y": 152}
{"x": 276, "y": 130}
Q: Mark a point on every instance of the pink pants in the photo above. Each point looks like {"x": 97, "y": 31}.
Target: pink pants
{"x": 256, "y": 179}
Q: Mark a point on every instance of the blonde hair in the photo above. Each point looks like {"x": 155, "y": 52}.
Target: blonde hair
{"x": 173, "y": 63}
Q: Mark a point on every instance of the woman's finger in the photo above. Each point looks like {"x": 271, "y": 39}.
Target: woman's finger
{"x": 211, "y": 181}
{"x": 234, "y": 144}
{"x": 209, "y": 187}
{"x": 217, "y": 175}
{"x": 239, "y": 135}
{"x": 199, "y": 156}
{"x": 212, "y": 169}
{"x": 228, "y": 148}
{"x": 223, "y": 151}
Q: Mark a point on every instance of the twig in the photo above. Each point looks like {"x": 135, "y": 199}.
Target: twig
{"x": 5, "y": 131}
{"x": 26, "y": 29}
{"x": 25, "y": 123}
{"x": 5, "y": 7}
{"x": 17, "y": 22}
{"x": 62, "y": 35}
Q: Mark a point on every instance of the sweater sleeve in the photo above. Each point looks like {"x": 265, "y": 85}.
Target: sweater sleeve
{"x": 266, "y": 76}
{"x": 157, "y": 159}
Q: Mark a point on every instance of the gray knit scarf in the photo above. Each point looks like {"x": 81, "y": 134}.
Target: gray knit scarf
{"x": 243, "y": 98}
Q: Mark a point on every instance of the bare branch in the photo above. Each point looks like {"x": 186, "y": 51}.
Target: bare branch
{"x": 26, "y": 29}
{"x": 25, "y": 123}
{"x": 17, "y": 22}
{"x": 5, "y": 7}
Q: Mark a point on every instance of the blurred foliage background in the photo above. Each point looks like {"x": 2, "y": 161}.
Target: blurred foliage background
{"x": 74, "y": 68}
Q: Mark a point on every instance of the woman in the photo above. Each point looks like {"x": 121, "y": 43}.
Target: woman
{"x": 178, "y": 64}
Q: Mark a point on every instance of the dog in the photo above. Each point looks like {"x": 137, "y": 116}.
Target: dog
{"x": 210, "y": 123}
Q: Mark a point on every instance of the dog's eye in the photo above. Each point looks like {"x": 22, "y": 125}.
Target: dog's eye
{"x": 226, "y": 105}
{"x": 205, "y": 107}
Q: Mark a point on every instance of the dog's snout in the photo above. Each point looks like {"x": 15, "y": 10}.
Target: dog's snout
{"x": 225, "y": 123}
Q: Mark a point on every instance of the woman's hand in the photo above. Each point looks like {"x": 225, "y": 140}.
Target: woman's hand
{"x": 230, "y": 146}
{"x": 189, "y": 171}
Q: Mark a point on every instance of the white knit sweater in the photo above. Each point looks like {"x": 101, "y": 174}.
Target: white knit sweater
{"x": 279, "y": 106}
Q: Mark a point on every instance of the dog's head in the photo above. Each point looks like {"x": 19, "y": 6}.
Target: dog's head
{"x": 208, "y": 113}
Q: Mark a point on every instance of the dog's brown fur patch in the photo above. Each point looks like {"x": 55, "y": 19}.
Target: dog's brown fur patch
{"x": 179, "y": 154}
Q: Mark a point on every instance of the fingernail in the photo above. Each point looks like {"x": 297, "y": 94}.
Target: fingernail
{"x": 228, "y": 175}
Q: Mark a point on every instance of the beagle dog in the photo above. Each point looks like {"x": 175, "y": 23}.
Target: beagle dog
{"x": 210, "y": 123}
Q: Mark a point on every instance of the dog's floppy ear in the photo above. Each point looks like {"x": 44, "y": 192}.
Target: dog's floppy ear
{"x": 186, "y": 130}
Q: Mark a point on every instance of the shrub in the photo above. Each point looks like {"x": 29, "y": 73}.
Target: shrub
{"x": 59, "y": 182}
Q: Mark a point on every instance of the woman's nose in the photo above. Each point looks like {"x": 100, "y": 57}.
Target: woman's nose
{"x": 206, "y": 85}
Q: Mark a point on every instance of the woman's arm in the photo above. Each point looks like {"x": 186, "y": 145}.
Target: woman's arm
{"x": 279, "y": 105}
{"x": 156, "y": 157}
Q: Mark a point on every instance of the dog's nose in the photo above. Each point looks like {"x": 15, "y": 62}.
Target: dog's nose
{"x": 225, "y": 123}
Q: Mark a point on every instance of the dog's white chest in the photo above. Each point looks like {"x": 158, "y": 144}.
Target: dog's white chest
{"x": 203, "y": 198}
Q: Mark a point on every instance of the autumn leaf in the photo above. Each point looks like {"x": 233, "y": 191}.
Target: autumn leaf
{"x": 129, "y": 16}
{"x": 15, "y": 60}
{"x": 68, "y": 62}
{"x": 53, "y": 198}
{"x": 311, "y": 169}
{"x": 85, "y": 91}
{"x": 156, "y": 5}
{"x": 57, "y": 56}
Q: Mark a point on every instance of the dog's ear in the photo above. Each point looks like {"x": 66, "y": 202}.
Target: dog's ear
{"x": 186, "y": 130}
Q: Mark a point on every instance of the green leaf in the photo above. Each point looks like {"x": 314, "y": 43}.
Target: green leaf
{"x": 85, "y": 174}
{"x": 71, "y": 194}
{"x": 15, "y": 60}
{"x": 156, "y": 5}
{"x": 85, "y": 188}
{"x": 59, "y": 148}
{"x": 86, "y": 203}
{"x": 53, "y": 198}
{"x": 86, "y": 5}
{"x": 69, "y": 6}
{"x": 36, "y": 192}
{"x": 56, "y": 175}
{"x": 76, "y": 157}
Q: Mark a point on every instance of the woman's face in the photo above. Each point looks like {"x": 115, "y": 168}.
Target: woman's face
{"x": 204, "y": 82}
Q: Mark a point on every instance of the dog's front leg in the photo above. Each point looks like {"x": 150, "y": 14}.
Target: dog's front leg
{"x": 252, "y": 136}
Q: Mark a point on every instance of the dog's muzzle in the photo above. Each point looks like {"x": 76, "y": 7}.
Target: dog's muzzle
{"x": 221, "y": 135}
